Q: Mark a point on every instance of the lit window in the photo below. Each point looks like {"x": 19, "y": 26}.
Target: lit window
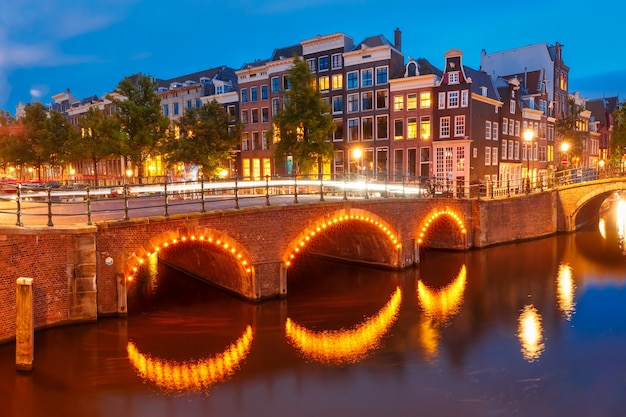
{"x": 425, "y": 100}
{"x": 398, "y": 129}
{"x": 398, "y": 103}
{"x": 337, "y": 81}
{"x": 411, "y": 128}
{"x": 411, "y": 101}
{"x": 324, "y": 83}
{"x": 425, "y": 127}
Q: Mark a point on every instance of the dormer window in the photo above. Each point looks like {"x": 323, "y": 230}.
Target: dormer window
{"x": 453, "y": 77}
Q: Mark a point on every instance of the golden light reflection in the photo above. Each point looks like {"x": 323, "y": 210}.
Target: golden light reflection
{"x": 566, "y": 290}
{"x": 602, "y": 227}
{"x": 441, "y": 305}
{"x": 196, "y": 375}
{"x": 429, "y": 338}
{"x": 340, "y": 347}
{"x": 530, "y": 333}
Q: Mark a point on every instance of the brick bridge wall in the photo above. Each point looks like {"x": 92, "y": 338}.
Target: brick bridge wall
{"x": 80, "y": 272}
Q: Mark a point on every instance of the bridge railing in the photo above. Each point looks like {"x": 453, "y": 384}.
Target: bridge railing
{"x": 50, "y": 204}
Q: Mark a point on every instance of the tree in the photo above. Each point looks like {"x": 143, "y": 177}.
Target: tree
{"x": 140, "y": 119}
{"x": 304, "y": 124}
{"x": 57, "y": 140}
{"x": 618, "y": 140}
{"x": 567, "y": 130}
{"x": 99, "y": 138}
{"x": 206, "y": 137}
{"x": 7, "y": 137}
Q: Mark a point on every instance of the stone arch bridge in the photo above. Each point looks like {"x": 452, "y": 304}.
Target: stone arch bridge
{"x": 81, "y": 271}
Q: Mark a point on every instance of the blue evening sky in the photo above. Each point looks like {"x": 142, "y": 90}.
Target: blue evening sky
{"x": 47, "y": 46}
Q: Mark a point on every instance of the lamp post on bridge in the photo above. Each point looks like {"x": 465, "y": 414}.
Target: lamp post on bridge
{"x": 528, "y": 137}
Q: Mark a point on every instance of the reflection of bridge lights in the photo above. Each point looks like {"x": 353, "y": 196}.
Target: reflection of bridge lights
{"x": 566, "y": 291}
{"x": 306, "y": 237}
{"x": 529, "y": 332}
{"x": 190, "y": 375}
{"x": 434, "y": 217}
{"x": 225, "y": 246}
{"x": 429, "y": 338}
{"x": 621, "y": 218}
{"x": 441, "y": 305}
{"x": 602, "y": 227}
{"x": 345, "y": 346}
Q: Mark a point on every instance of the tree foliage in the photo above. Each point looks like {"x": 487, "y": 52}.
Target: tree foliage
{"x": 140, "y": 119}
{"x": 566, "y": 128}
{"x": 99, "y": 138}
{"x": 618, "y": 140}
{"x": 206, "y": 136}
{"x": 305, "y": 123}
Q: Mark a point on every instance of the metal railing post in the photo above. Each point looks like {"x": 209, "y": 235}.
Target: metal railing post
{"x": 403, "y": 188}
{"x": 367, "y": 196}
{"x": 88, "y": 197}
{"x": 236, "y": 193}
{"x": 126, "y": 202}
{"x": 165, "y": 200}
{"x": 19, "y": 205}
{"x": 50, "y": 224}
{"x": 202, "y": 195}
{"x": 386, "y": 186}
{"x": 267, "y": 190}
{"x": 345, "y": 189}
{"x": 295, "y": 189}
{"x": 322, "y": 188}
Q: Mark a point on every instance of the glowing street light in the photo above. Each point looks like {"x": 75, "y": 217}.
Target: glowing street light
{"x": 357, "y": 154}
{"x": 528, "y": 137}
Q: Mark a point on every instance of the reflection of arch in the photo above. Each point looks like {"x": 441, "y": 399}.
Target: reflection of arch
{"x": 441, "y": 305}
{"x": 216, "y": 239}
{"x": 345, "y": 346}
{"x": 197, "y": 375}
{"x": 436, "y": 215}
{"x": 330, "y": 221}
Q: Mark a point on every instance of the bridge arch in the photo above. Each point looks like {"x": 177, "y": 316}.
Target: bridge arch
{"x": 374, "y": 240}
{"x": 439, "y": 225}
{"x": 190, "y": 252}
{"x": 580, "y": 203}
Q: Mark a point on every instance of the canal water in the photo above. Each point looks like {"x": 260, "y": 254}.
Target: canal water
{"x": 527, "y": 329}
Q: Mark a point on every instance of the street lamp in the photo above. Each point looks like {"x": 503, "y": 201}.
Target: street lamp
{"x": 528, "y": 137}
{"x": 357, "y": 154}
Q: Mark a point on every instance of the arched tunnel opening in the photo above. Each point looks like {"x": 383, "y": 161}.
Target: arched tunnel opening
{"x": 187, "y": 272}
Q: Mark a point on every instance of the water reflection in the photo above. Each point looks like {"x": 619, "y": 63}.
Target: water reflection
{"x": 566, "y": 291}
{"x": 441, "y": 305}
{"x": 345, "y": 346}
{"x": 530, "y": 333}
{"x": 198, "y": 375}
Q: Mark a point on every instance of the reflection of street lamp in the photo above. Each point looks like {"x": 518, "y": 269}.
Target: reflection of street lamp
{"x": 528, "y": 137}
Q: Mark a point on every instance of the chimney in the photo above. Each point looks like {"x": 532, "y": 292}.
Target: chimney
{"x": 397, "y": 39}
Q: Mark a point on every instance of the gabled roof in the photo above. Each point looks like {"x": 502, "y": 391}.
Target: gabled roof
{"x": 372, "y": 42}
{"x": 601, "y": 108}
{"x": 287, "y": 52}
{"x": 481, "y": 79}
{"x": 223, "y": 73}
{"x": 425, "y": 67}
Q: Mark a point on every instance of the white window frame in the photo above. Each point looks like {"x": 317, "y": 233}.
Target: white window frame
{"x": 444, "y": 126}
